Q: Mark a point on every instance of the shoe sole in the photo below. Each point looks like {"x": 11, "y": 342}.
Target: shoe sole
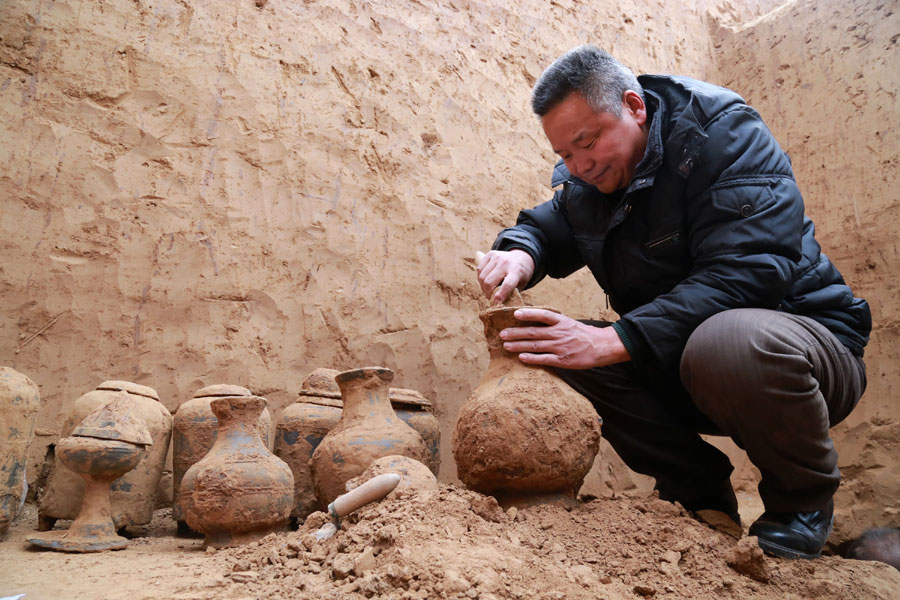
{"x": 782, "y": 552}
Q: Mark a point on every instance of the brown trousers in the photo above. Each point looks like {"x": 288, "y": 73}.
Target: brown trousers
{"x": 773, "y": 382}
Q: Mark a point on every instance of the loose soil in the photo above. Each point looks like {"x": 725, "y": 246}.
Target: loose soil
{"x": 451, "y": 543}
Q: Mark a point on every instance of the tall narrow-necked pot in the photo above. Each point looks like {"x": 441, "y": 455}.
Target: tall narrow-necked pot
{"x": 239, "y": 491}
{"x": 523, "y": 435}
{"x": 369, "y": 429}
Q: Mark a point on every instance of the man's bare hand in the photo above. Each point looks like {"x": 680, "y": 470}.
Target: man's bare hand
{"x": 563, "y": 342}
{"x": 499, "y": 273}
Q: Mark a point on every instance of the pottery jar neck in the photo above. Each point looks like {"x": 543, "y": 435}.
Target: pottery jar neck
{"x": 238, "y": 415}
{"x": 366, "y": 392}
{"x": 495, "y": 320}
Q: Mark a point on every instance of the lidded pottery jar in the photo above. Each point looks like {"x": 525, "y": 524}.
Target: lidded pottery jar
{"x": 523, "y": 435}
{"x": 239, "y": 491}
{"x": 108, "y": 443}
{"x": 414, "y": 410}
{"x": 133, "y": 496}
{"x": 195, "y": 432}
{"x": 369, "y": 429}
{"x": 300, "y": 429}
{"x": 19, "y": 403}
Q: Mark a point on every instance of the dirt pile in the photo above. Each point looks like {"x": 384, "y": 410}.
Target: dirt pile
{"x": 453, "y": 543}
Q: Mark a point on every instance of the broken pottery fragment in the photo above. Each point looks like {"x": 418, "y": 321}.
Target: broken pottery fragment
{"x": 194, "y": 433}
{"x": 133, "y": 497}
{"x": 523, "y": 435}
{"x": 108, "y": 443}
{"x": 19, "y": 403}
{"x": 239, "y": 491}
{"x": 369, "y": 429}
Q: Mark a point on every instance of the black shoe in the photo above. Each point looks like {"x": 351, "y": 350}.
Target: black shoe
{"x": 794, "y": 535}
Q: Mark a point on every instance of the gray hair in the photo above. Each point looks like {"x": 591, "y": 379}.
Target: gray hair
{"x": 591, "y": 72}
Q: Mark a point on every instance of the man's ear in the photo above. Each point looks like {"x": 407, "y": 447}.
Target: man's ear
{"x": 635, "y": 105}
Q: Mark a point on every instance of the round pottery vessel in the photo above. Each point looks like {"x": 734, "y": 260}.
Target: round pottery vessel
{"x": 239, "y": 491}
{"x": 110, "y": 442}
{"x": 133, "y": 497}
{"x": 304, "y": 424}
{"x": 368, "y": 429}
{"x": 300, "y": 430}
{"x": 99, "y": 462}
{"x": 413, "y": 474}
{"x": 19, "y": 403}
{"x": 414, "y": 410}
{"x": 194, "y": 433}
{"x": 523, "y": 435}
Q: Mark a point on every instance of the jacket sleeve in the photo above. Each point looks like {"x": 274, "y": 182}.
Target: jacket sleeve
{"x": 744, "y": 222}
{"x": 544, "y": 233}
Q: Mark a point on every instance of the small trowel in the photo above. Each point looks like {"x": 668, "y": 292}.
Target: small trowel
{"x": 372, "y": 490}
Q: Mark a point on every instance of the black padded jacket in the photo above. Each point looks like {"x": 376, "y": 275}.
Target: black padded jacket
{"x": 711, "y": 220}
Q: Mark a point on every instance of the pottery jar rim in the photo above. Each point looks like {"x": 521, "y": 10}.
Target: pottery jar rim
{"x": 409, "y": 397}
{"x": 137, "y": 389}
{"x": 244, "y": 402}
{"x": 383, "y": 373}
{"x": 74, "y": 441}
{"x": 320, "y": 398}
{"x": 221, "y": 390}
{"x": 489, "y": 312}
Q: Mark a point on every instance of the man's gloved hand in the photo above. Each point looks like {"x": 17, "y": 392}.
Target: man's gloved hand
{"x": 500, "y": 272}
{"x": 563, "y": 342}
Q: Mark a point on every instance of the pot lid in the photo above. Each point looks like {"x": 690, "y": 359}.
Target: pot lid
{"x": 406, "y": 396}
{"x": 321, "y": 383}
{"x": 321, "y": 400}
{"x": 222, "y": 389}
{"x": 116, "y": 420}
{"x": 127, "y": 386}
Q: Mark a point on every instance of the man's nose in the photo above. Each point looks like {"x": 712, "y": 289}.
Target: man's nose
{"x": 580, "y": 165}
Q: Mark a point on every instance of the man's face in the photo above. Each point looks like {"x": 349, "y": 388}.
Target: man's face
{"x": 598, "y": 147}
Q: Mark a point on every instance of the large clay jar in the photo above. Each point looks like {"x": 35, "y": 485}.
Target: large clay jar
{"x": 300, "y": 429}
{"x": 239, "y": 491}
{"x": 195, "y": 431}
{"x": 414, "y": 410}
{"x": 19, "y": 403}
{"x": 369, "y": 429}
{"x": 523, "y": 435}
{"x": 133, "y": 496}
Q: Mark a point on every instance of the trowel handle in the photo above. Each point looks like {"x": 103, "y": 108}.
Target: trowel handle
{"x": 372, "y": 490}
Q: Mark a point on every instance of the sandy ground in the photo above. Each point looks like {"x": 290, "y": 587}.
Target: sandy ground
{"x": 243, "y": 191}
{"x": 451, "y": 543}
